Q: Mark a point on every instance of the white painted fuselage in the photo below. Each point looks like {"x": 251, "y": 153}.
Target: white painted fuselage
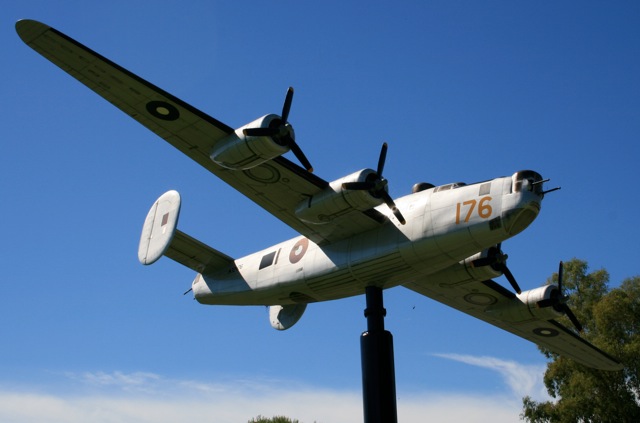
{"x": 445, "y": 225}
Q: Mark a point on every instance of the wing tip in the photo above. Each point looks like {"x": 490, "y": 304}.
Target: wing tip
{"x": 596, "y": 359}
{"x": 29, "y": 29}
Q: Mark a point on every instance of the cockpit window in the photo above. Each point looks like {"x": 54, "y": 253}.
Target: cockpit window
{"x": 527, "y": 180}
{"x": 449, "y": 186}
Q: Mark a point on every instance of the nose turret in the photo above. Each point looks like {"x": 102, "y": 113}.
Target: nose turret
{"x": 528, "y": 180}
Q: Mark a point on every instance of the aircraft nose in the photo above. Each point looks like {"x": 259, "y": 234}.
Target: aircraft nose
{"x": 515, "y": 220}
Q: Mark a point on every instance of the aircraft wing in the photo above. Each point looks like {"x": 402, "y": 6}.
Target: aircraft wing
{"x": 278, "y": 185}
{"x": 489, "y": 301}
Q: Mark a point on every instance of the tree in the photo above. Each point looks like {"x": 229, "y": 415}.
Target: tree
{"x": 611, "y": 321}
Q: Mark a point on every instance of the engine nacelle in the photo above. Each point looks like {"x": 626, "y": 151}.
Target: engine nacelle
{"x": 334, "y": 201}
{"x": 514, "y": 312}
{"x": 467, "y": 270}
{"x": 283, "y": 317}
{"x": 238, "y": 151}
{"x": 482, "y": 272}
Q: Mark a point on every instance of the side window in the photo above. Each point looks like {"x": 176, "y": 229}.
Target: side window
{"x": 267, "y": 260}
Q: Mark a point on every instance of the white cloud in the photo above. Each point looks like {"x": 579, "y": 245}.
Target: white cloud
{"x": 116, "y": 397}
{"x": 523, "y": 380}
{"x": 137, "y": 381}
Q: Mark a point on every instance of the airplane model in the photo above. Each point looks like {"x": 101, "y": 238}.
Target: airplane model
{"x": 443, "y": 242}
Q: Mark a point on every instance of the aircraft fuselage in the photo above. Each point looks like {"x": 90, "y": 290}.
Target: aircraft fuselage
{"x": 445, "y": 225}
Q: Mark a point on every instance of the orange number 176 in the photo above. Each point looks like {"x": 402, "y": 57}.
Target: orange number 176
{"x": 484, "y": 209}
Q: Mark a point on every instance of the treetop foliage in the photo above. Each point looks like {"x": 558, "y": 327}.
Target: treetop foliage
{"x": 611, "y": 321}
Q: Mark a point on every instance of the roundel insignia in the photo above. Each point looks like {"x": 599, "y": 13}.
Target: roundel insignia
{"x": 163, "y": 110}
{"x": 546, "y": 332}
{"x": 298, "y": 250}
{"x": 480, "y": 299}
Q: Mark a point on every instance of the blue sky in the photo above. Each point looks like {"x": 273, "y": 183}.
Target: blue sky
{"x": 462, "y": 91}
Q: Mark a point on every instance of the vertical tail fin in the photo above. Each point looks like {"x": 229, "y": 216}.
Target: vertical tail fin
{"x": 159, "y": 227}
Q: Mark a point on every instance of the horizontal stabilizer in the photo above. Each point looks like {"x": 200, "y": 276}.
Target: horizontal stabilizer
{"x": 195, "y": 255}
{"x": 160, "y": 236}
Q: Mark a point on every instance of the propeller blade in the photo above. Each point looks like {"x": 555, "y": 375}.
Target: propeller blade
{"x": 549, "y": 302}
{"x": 572, "y": 317}
{"x": 359, "y": 186}
{"x": 507, "y": 273}
{"x": 287, "y": 105}
{"x": 399, "y": 216}
{"x": 560, "y": 272}
{"x": 300, "y": 155}
{"x": 494, "y": 257}
{"x": 260, "y": 132}
{"x": 389, "y": 201}
{"x": 382, "y": 159}
{"x": 565, "y": 308}
{"x": 485, "y": 261}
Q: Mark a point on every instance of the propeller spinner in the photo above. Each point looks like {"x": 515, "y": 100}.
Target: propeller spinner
{"x": 282, "y": 132}
{"x": 377, "y": 185}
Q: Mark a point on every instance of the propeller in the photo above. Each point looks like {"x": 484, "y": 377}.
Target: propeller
{"x": 376, "y": 184}
{"x": 502, "y": 267}
{"x": 559, "y": 301}
{"x": 281, "y": 132}
{"x": 498, "y": 262}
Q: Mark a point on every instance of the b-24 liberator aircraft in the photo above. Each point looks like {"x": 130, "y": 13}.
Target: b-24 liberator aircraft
{"x": 443, "y": 242}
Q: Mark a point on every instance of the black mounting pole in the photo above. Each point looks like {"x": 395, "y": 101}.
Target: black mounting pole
{"x": 378, "y": 371}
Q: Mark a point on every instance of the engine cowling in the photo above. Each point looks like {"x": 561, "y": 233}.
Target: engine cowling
{"x": 532, "y": 298}
{"x": 238, "y": 151}
{"x": 485, "y": 271}
{"x": 335, "y": 201}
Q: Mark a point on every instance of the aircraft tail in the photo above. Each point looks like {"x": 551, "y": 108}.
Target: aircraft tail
{"x": 160, "y": 236}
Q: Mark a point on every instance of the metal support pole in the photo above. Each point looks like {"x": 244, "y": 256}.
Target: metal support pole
{"x": 378, "y": 371}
